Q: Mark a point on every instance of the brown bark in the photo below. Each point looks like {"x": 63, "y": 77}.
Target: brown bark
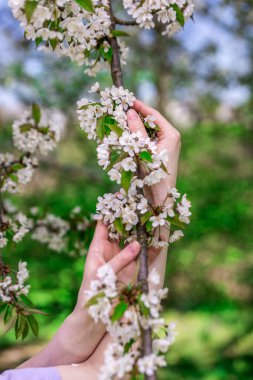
{"x": 117, "y": 77}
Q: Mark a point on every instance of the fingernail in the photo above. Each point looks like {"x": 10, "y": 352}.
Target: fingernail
{"x": 132, "y": 114}
{"x": 134, "y": 247}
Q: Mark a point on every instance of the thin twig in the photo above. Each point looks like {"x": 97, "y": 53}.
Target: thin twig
{"x": 124, "y": 22}
{"x": 117, "y": 77}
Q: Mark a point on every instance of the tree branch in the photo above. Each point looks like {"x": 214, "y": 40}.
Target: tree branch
{"x": 124, "y": 22}
{"x": 117, "y": 77}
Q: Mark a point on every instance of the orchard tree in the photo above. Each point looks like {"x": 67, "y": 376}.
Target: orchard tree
{"x": 87, "y": 32}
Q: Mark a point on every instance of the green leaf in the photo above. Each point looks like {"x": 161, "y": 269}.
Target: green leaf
{"x": 19, "y": 325}
{"x": 3, "y": 307}
{"x": 115, "y": 128}
{"x": 100, "y": 128}
{"x": 53, "y": 42}
{"x": 94, "y": 300}
{"x": 29, "y": 7}
{"x": 38, "y": 41}
{"x": 176, "y": 222}
{"x": 180, "y": 15}
{"x": 128, "y": 345}
{"x": 126, "y": 178}
{"x": 119, "y": 311}
{"x": 145, "y": 217}
{"x": 36, "y": 113}
{"x": 9, "y": 234}
{"x": 13, "y": 177}
{"x": 17, "y": 166}
{"x": 25, "y": 330}
{"x": 25, "y": 128}
{"x": 115, "y": 157}
{"x": 86, "y": 4}
{"x": 143, "y": 309}
{"x": 33, "y": 311}
{"x": 44, "y": 130}
{"x": 146, "y": 156}
{"x": 165, "y": 169}
{"x": 119, "y": 227}
{"x": 107, "y": 55}
{"x": 120, "y": 33}
{"x": 26, "y": 300}
{"x": 149, "y": 226}
{"x": 33, "y": 324}
{"x": 8, "y": 314}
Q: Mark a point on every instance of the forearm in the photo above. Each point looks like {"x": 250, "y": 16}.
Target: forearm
{"x": 74, "y": 342}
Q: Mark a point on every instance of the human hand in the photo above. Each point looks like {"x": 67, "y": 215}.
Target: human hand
{"x": 168, "y": 138}
{"x": 78, "y": 336}
{"x": 88, "y": 369}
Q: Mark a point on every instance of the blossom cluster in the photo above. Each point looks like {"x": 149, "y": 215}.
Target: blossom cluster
{"x": 38, "y": 131}
{"x": 70, "y": 28}
{"x": 133, "y": 162}
{"x": 172, "y": 13}
{"x": 35, "y": 132}
{"x": 69, "y": 235}
{"x": 99, "y": 117}
{"x": 123, "y": 211}
{"x": 13, "y": 284}
{"x": 126, "y": 312}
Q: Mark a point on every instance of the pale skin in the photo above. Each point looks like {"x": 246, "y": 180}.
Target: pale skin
{"x": 79, "y": 340}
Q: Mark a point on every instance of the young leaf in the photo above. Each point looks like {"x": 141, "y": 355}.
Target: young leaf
{"x": 38, "y": 41}
{"x": 25, "y": 330}
{"x": 36, "y": 113}
{"x": 33, "y": 324}
{"x": 53, "y": 42}
{"x": 126, "y": 178}
{"x": 94, "y": 300}
{"x": 115, "y": 157}
{"x": 29, "y": 7}
{"x": 107, "y": 55}
{"x": 143, "y": 309}
{"x": 3, "y": 307}
{"x": 100, "y": 128}
{"x": 146, "y": 156}
{"x": 17, "y": 166}
{"x": 119, "y": 227}
{"x": 26, "y": 300}
{"x": 128, "y": 345}
{"x": 145, "y": 217}
{"x": 119, "y": 311}
{"x": 25, "y": 128}
{"x": 19, "y": 325}
{"x": 120, "y": 33}
{"x": 33, "y": 311}
{"x": 176, "y": 222}
{"x": 14, "y": 177}
{"x": 86, "y": 4}
{"x": 149, "y": 226}
{"x": 180, "y": 15}
{"x": 8, "y": 314}
{"x": 115, "y": 128}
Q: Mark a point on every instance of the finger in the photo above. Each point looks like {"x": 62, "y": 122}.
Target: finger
{"x": 101, "y": 232}
{"x": 166, "y": 129}
{"x": 135, "y": 123}
{"x": 125, "y": 257}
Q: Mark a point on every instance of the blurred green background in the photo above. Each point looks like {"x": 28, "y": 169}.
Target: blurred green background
{"x": 202, "y": 81}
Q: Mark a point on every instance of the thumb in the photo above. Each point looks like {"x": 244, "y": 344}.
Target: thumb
{"x": 135, "y": 123}
{"x": 125, "y": 257}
